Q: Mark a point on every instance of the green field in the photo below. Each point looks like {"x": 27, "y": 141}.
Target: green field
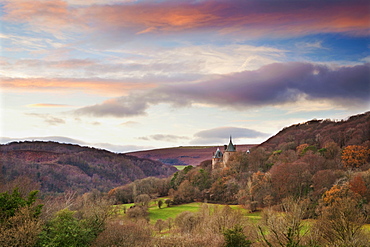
{"x": 180, "y": 167}
{"x": 165, "y": 212}
{"x": 171, "y": 212}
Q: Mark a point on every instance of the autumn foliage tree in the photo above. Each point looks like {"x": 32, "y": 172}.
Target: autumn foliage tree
{"x": 355, "y": 156}
{"x": 358, "y": 185}
{"x": 341, "y": 218}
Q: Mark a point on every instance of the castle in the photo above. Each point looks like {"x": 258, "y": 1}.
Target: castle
{"x": 219, "y": 159}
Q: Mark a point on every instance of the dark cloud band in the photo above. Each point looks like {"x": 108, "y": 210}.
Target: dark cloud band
{"x": 272, "y": 84}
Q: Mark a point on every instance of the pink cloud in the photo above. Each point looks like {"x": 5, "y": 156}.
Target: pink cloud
{"x": 43, "y": 105}
{"x": 246, "y": 18}
{"x": 255, "y": 17}
{"x": 94, "y": 85}
{"x": 52, "y": 16}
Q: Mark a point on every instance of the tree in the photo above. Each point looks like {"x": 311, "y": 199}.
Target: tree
{"x": 358, "y": 185}
{"x": 137, "y": 212}
{"x": 64, "y": 230}
{"x": 258, "y": 188}
{"x": 159, "y": 225}
{"x": 235, "y": 237}
{"x": 10, "y": 203}
{"x": 21, "y": 229}
{"x": 340, "y": 224}
{"x": 19, "y": 218}
{"x": 95, "y": 212}
{"x": 355, "y": 156}
{"x": 337, "y": 193}
{"x": 301, "y": 149}
{"x": 169, "y": 222}
{"x": 125, "y": 234}
{"x": 257, "y": 159}
{"x": 168, "y": 202}
{"x": 283, "y": 228}
{"x": 291, "y": 179}
{"x": 142, "y": 200}
{"x": 186, "y": 193}
{"x": 187, "y": 221}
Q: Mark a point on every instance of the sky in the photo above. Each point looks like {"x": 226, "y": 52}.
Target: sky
{"x": 128, "y": 75}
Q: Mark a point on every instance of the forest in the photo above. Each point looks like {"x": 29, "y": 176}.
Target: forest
{"x": 310, "y": 184}
{"x": 57, "y": 167}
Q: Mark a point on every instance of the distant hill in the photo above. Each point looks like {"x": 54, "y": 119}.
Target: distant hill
{"x": 184, "y": 155}
{"x": 353, "y": 131}
{"x": 60, "y": 167}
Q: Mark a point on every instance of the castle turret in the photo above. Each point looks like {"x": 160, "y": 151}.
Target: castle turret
{"x": 217, "y": 158}
{"x": 231, "y": 148}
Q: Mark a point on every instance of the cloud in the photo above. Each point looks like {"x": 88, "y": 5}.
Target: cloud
{"x": 130, "y": 124}
{"x": 274, "y": 84}
{"x": 119, "y": 148}
{"x": 247, "y": 18}
{"x": 280, "y": 83}
{"x": 43, "y": 105}
{"x": 119, "y": 107}
{"x": 44, "y": 16}
{"x": 127, "y": 20}
{"x": 163, "y": 137}
{"x": 219, "y": 135}
{"x": 90, "y": 85}
{"x": 146, "y": 65}
{"x": 309, "y": 46}
{"x": 47, "y": 118}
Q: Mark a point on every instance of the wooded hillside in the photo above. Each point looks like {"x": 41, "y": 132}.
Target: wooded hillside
{"x": 353, "y": 131}
{"x": 59, "y": 167}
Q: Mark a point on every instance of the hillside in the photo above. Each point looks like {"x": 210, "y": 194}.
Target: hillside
{"x": 60, "y": 167}
{"x": 183, "y": 155}
{"x": 353, "y": 131}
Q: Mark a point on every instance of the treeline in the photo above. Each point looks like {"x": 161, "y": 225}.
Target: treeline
{"x": 262, "y": 179}
{"x": 353, "y": 131}
{"x": 91, "y": 220}
{"x": 323, "y": 181}
{"x": 308, "y": 197}
{"x": 55, "y": 167}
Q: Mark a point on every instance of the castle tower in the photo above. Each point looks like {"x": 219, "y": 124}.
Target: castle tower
{"x": 229, "y": 151}
{"x": 217, "y": 158}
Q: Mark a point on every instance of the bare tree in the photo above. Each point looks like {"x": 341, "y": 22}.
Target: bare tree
{"x": 283, "y": 228}
{"x": 160, "y": 225}
{"x": 340, "y": 224}
{"x": 125, "y": 234}
{"x": 20, "y": 230}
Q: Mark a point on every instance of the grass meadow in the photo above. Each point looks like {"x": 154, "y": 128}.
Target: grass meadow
{"x": 163, "y": 213}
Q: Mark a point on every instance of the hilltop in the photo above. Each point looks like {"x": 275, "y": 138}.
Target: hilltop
{"x": 352, "y": 131}
{"x": 57, "y": 167}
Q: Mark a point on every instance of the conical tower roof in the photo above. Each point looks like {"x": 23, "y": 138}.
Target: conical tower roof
{"x": 231, "y": 147}
{"x": 218, "y": 154}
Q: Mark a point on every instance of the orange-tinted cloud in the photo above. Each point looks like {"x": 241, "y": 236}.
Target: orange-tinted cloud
{"x": 248, "y": 18}
{"x": 254, "y": 18}
{"x": 43, "y": 105}
{"x": 96, "y": 86}
{"x": 45, "y": 15}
